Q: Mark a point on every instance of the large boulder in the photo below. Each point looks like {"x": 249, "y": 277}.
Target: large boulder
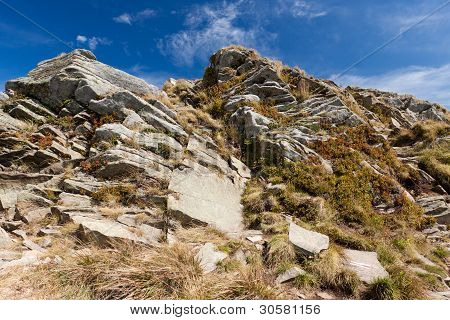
{"x": 203, "y": 196}
{"x": 76, "y": 75}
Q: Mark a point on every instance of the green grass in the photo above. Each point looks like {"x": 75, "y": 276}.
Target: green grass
{"x": 381, "y": 289}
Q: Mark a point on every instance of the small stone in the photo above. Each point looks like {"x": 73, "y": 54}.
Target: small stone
{"x": 290, "y": 274}
{"x": 325, "y": 295}
{"x": 255, "y": 239}
{"x": 209, "y": 256}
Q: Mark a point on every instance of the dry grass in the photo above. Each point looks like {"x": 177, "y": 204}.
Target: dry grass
{"x": 281, "y": 252}
{"x": 436, "y": 161}
{"x": 190, "y": 117}
{"x": 331, "y": 274}
{"x": 135, "y": 272}
{"x": 200, "y": 235}
{"x": 122, "y": 193}
{"x": 160, "y": 97}
{"x": 426, "y": 131}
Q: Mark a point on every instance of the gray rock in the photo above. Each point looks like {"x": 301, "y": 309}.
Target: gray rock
{"x": 205, "y": 197}
{"x": 110, "y": 131}
{"x": 27, "y": 202}
{"x": 9, "y": 123}
{"x": 123, "y": 160}
{"x": 250, "y": 123}
{"x": 81, "y": 186}
{"x": 307, "y": 242}
{"x": 208, "y": 256}
{"x": 35, "y": 107}
{"x": 158, "y": 141}
{"x": 266, "y": 73}
{"x": 133, "y": 121}
{"x": 76, "y": 74}
{"x": 236, "y": 101}
{"x": 240, "y": 168}
{"x": 32, "y": 246}
{"x": 437, "y": 207}
{"x": 8, "y": 200}
{"x": 5, "y": 239}
{"x": 22, "y": 113}
{"x": 47, "y": 129}
{"x": 272, "y": 90}
{"x": 290, "y": 274}
{"x": 255, "y": 239}
{"x": 28, "y": 258}
{"x": 103, "y": 232}
{"x": 32, "y": 216}
{"x": 74, "y": 200}
{"x": 331, "y": 109}
{"x": 365, "y": 264}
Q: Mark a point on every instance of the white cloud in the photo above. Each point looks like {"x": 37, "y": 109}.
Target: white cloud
{"x": 123, "y": 18}
{"x": 129, "y": 19}
{"x": 300, "y": 9}
{"x": 93, "y": 42}
{"x": 424, "y": 82}
{"x": 209, "y": 28}
{"x": 81, "y": 39}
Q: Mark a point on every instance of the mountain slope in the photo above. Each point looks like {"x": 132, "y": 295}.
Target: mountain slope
{"x": 281, "y": 183}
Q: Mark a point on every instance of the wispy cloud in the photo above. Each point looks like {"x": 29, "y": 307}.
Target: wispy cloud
{"x": 92, "y": 42}
{"x": 300, "y": 8}
{"x": 424, "y": 82}
{"x": 140, "y": 16}
{"x": 210, "y": 27}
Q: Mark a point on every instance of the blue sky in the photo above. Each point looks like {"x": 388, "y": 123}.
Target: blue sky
{"x": 160, "y": 39}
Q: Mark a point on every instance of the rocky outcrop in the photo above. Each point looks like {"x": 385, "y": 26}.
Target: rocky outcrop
{"x": 77, "y": 76}
{"x": 97, "y": 157}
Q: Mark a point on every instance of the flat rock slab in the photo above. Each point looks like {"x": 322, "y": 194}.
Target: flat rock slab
{"x": 103, "y": 232}
{"x": 365, "y": 264}
{"x": 209, "y": 256}
{"x": 205, "y": 197}
{"x": 74, "y": 200}
{"x": 290, "y": 274}
{"x": 306, "y": 241}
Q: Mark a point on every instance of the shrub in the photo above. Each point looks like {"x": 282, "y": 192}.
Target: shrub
{"x": 280, "y": 251}
{"x": 408, "y": 285}
{"x": 121, "y": 193}
{"x": 331, "y": 274}
{"x": 65, "y": 122}
{"x": 441, "y": 252}
{"x": 45, "y": 141}
{"x": 90, "y": 166}
{"x": 381, "y": 289}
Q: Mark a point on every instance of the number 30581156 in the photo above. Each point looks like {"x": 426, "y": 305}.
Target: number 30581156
{"x": 289, "y": 309}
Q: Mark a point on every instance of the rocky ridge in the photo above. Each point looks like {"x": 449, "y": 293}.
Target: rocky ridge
{"x": 90, "y": 152}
